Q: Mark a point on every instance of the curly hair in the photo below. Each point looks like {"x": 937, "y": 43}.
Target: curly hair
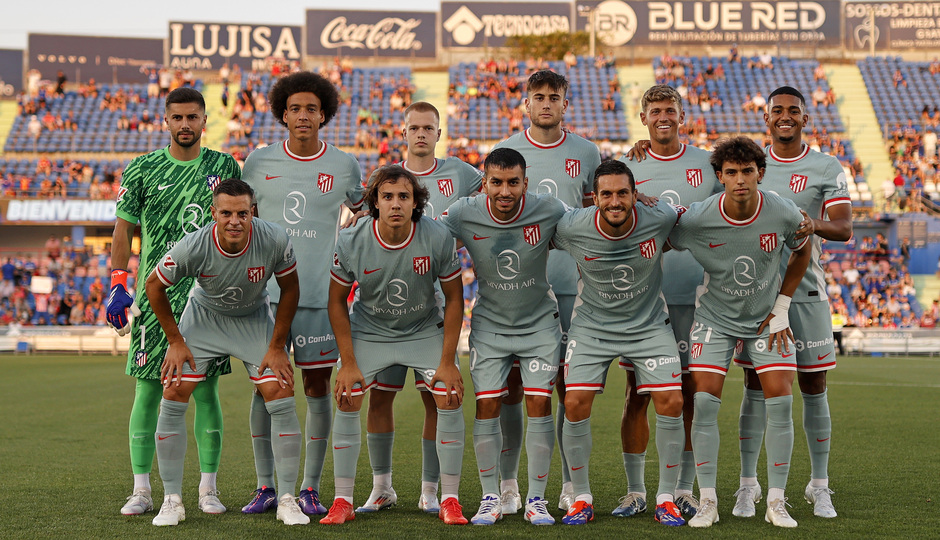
{"x": 304, "y": 81}
{"x": 740, "y": 150}
{"x": 392, "y": 173}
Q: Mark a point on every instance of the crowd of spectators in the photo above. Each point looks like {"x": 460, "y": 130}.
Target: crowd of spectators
{"x": 59, "y": 179}
{"x": 916, "y": 164}
{"x": 74, "y": 275}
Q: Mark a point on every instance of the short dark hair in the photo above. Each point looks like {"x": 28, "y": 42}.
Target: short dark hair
{"x": 304, "y": 81}
{"x": 546, "y": 77}
{"x": 613, "y": 167}
{"x": 185, "y": 94}
{"x": 740, "y": 150}
{"x": 787, "y": 91}
{"x": 233, "y": 187}
{"x": 504, "y": 158}
{"x": 391, "y": 173}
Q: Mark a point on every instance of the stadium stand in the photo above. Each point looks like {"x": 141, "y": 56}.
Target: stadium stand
{"x": 60, "y": 178}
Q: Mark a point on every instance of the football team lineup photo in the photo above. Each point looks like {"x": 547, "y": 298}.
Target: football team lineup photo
{"x": 492, "y": 269}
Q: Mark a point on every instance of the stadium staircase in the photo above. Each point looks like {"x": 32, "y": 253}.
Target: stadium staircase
{"x": 642, "y": 75}
{"x": 861, "y": 125}
{"x": 432, "y": 87}
{"x": 7, "y": 116}
{"x": 215, "y": 126}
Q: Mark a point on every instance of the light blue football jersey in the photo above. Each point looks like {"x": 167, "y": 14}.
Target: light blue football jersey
{"x": 563, "y": 169}
{"x": 684, "y": 178}
{"x": 510, "y": 259}
{"x": 396, "y": 296}
{"x": 741, "y": 259}
{"x": 620, "y": 290}
{"x": 448, "y": 180}
{"x": 815, "y": 182}
{"x": 304, "y": 195}
{"x": 230, "y": 283}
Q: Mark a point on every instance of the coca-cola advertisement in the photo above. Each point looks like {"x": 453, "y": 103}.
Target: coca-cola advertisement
{"x": 334, "y": 32}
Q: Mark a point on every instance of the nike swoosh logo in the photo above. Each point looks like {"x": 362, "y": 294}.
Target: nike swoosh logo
{"x": 716, "y": 245}
{"x": 367, "y": 272}
{"x": 744, "y": 438}
{"x": 140, "y": 436}
{"x": 262, "y": 435}
{"x": 475, "y": 237}
{"x": 269, "y": 177}
{"x": 702, "y": 463}
{"x": 642, "y": 181}
{"x": 207, "y": 275}
{"x": 586, "y": 258}
{"x": 823, "y": 356}
{"x": 786, "y": 355}
{"x": 668, "y": 466}
{"x": 161, "y": 437}
{"x": 327, "y": 352}
{"x": 448, "y": 442}
{"x": 488, "y": 470}
{"x": 505, "y": 450}
{"x": 213, "y": 431}
{"x": 317, "y": 438}
{"x": 577, "y": 468}
{"x": 161, "y": 188}
{"x": 676, "y": 375}
{"x": 542, "y": 476}
{"x": 220, "y": 362}
{"x": 779, "y": 464}
{"x": 340, "y": 447}
{"x": 288, "y": 434}
{"x": 823, "y": 440}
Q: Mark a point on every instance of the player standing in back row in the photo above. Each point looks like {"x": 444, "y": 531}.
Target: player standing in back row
{"x": 169, "y": 191}
{"x": 301, "y": 184}
{"x": 679, "y": 174}
{"x": 559, "y": 163}
{"x": 446, "y": 180}
{"x": 816, "y": 183}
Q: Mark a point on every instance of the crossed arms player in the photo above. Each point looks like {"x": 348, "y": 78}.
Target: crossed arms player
{"x": 397, "y": 255}
{"x": 228, "y": 314}
{"x": 618, "y": 246}
{"x": 169, "y": 192}
{"x": 507, "y": 234}
{"x": 743, "y": 305}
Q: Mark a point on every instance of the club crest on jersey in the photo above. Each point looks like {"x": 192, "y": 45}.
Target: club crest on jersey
{"x": 768, "y": 242}
{"x": 696, "y": 350}
{"x": 422, "y": 265}
{"x": 739, "y": 346}
{"x": 140, "y": 358}
{"x": 121, "y": 192}
{"x": 446, "y": 185}
{"x": 336, "y": 259}
{"x": 798, "y": 182}
{"x": 169, "y": 262}
{"x": 255, "y": 274}
{"x": 648, "y": 248}
{"x": 213, "y": 181}
{"x": 693, "y": 177}
{"x": 325, "y": 182}
{"x": 532, "y": 234}
{"x": 573, "y": 167}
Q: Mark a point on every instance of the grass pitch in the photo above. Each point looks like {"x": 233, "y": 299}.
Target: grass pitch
{"x": 65, "y": 466}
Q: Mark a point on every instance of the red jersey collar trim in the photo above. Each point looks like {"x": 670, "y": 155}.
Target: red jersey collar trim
{"x": 378, "y": 237}
{"x": 564, "y": 135}
{"x": 317, "y": 155}
{"x": 433, "y": 168}
{"x": 675, "y": 156}
{"x": 748, "y": 221}
{"x": 215, "y": 240}
{"x": 597, "y": 225}
{"x": 508, "y": 221}
{"x": 775, "y": 157}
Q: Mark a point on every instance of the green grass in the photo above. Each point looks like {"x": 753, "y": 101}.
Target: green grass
{"x": 65, "y": 470}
